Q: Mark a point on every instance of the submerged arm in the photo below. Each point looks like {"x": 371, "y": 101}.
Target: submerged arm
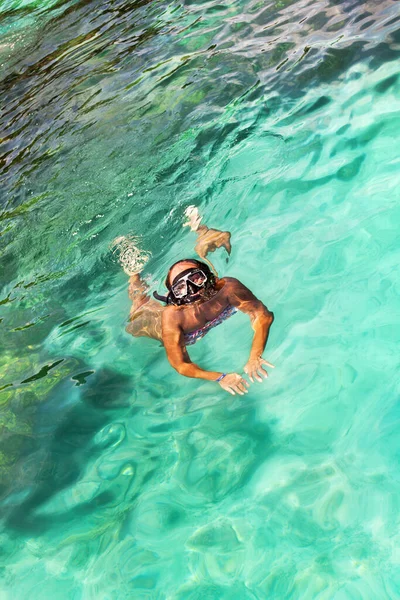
{"x": 261, "y": 320}
{"x": 179, "y": 358}
{"x": 176, "y": 351}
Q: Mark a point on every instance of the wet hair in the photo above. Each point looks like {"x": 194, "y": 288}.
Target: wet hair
{"x": 170, "y": 298}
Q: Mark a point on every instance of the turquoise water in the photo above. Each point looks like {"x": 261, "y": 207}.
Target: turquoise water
{"x": 119, "y": 478}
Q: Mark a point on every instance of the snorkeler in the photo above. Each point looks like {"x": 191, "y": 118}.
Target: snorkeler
{"x": 197, "y": 300}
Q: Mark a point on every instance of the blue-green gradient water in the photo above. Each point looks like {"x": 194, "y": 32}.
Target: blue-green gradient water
{"x": 121, "y": 479}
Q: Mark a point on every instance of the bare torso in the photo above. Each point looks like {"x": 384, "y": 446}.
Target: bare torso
{"x": 191, "y": 317}
{"x": 147, "y": 319}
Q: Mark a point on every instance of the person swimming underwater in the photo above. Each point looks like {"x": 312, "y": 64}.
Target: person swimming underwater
{"x": 197, "y": 300}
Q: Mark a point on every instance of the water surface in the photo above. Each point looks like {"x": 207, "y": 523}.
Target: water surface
{"x": 119, "y": 478}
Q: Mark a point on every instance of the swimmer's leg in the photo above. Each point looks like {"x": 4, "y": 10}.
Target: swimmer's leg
{"x": 208, "y": 240}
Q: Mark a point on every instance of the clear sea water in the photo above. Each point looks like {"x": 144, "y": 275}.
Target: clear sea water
{"x": 119, "y": 478}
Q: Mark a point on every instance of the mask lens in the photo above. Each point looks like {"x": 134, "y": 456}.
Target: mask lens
{"x": 179, "y": 289}
{"x": 198, "y": 278}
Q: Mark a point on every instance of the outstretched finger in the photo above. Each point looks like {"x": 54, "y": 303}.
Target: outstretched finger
{"x": 257, "y": 376}
{"x": 265, "y": 362}
{"x": 262, "y": 371}
{"x": 238, "y": 390}
{"x": 249, "y": 375}
{"x": 242, "y": 387}
{"x": 227, "y": 246}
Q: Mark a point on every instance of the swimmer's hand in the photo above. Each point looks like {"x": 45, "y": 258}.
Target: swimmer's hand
{"x": 211, "y": 239}
{"x": 254, "y": 369}
{"x": 234, "y": 384}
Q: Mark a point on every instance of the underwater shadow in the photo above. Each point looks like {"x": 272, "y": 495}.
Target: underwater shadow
{"x": 70, "y": 447}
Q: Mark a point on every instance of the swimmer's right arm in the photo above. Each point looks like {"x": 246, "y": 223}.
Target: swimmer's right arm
{"x": 172, "y": 336}
{"x": 179, "y": 358}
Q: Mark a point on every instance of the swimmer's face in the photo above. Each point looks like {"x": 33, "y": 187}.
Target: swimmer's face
{"x": 193, "y": 291}
{"x": 180, "y": 268}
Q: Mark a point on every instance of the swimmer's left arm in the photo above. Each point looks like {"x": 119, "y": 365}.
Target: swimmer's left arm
{"x": 261, "y": 320}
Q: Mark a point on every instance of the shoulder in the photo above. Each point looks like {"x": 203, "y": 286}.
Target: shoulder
{"x": 231, "y": 281}
{"x": 228, "y": 283}
{"x": 237, "y": 292}
{"x": 171, "y": 327}
{"x": 171, "y": 315}
{"x": 234, "y": 285}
